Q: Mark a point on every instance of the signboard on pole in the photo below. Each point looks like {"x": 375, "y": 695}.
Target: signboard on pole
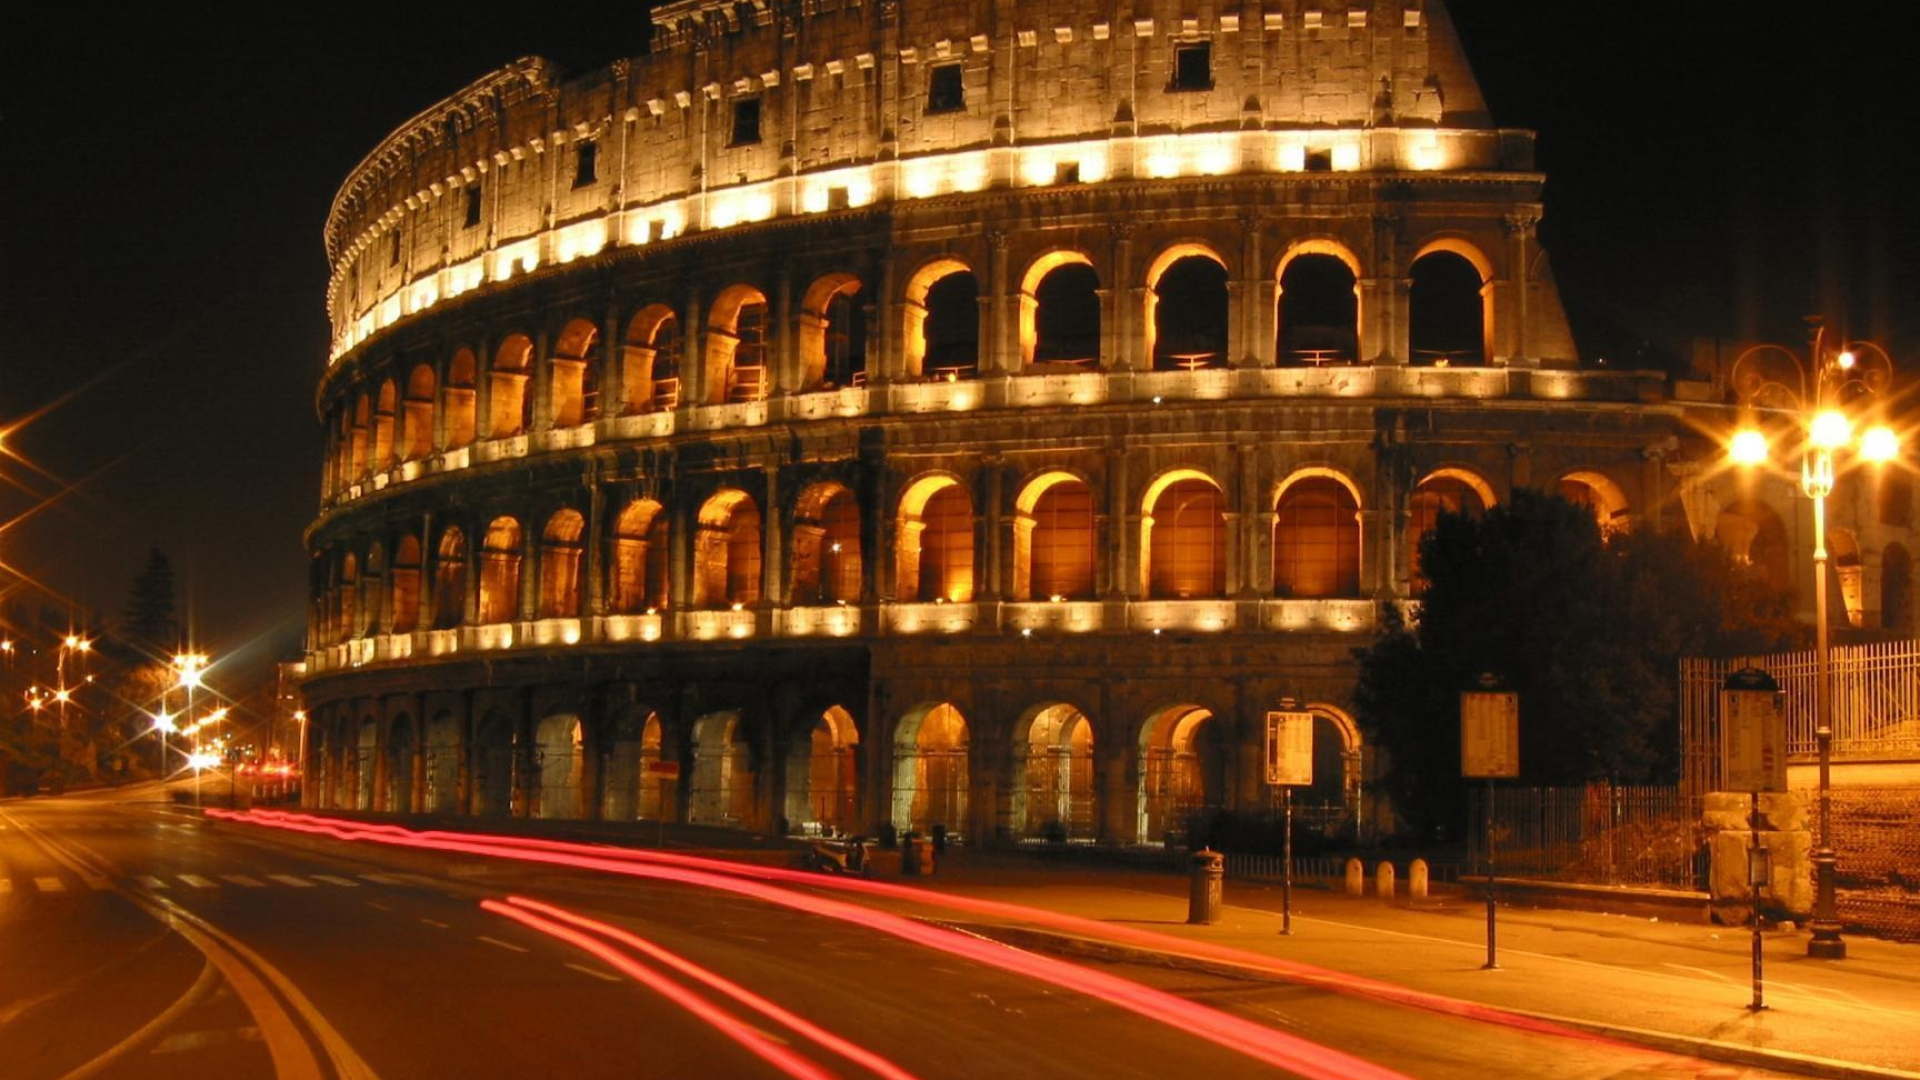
{"x": 1754, "y": 730}
{"x": 1290, "y": 749}
{"x": 1490, "y": 734}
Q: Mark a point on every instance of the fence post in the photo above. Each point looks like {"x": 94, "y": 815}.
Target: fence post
{"x": 1417, "y": 879}
{"x": 1383, "y": 880}
{"x": 1356, "y": 878}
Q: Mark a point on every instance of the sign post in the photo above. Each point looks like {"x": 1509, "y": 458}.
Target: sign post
{"x": 1489, "y": 750}
{"x": 1289, "y": 765}
{"x": 1754, "y": 729}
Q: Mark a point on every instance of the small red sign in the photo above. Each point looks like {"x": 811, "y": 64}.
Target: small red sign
{"x": 665, "y": 770}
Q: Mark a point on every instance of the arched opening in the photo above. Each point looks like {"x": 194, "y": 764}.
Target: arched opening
{"x": 726, "y": 551}
{"x": 1054, "y": 775}
{"x": 656, "y": 795}
{"x": 826, "y": 546}
{"x": 1754, "y": 535}
{"x": 460, "y": 398}
{"x": 933, "y": 542}
{"x": 383, "y": 424}
{"x": 403, "y": 616}
{"x": 416, "y": 415}
{"x": 722, "y": 788}
{"x": 833, "y": 333}
{"x": 1060, "y": 311}
{"x": 450, "y": 579}
{"x": 1599, "y": 494}
{"x": 1846, "y": 585}
{"x": 493, "y": 765}
{"x": 1446, "y": 311}
{"x": 1896, "y": 589}
{"x": 362, "y": 421}
{"x": 1316, "y": 540}
{"x": 953, "y": 327}
{"x": 1187, "y": 313}
{"x": 400, "y": 765}
{"x": 558, "y": 761}
{"x": 560, "y": 552}
{"x": 574, "y": 393}
{"x": 348, "y": 622}
{"x": 1319, "y": 316}
{"x": 737, "y": 355}
{"x": 1448, "y": 491}
{"x": 442, "y": 795}
{"x": 652, "y": 368}
{"x": 373, "y": 579}
{"x": 1185, "y": 533}
{"x": 930, "y": 770}
{"x": 366, "y": 764}
{"x": 1183, "y": 772}
{"x": 821, "y": 775}
{"x": 1055, "y": 539}
{"x": 640, "y": 558}
{"x": 500, "y": 572}
{"x": 1331, "y": 804}
{"x": 510, "y": 407}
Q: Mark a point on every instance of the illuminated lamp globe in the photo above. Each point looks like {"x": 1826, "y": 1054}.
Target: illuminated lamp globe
{"x": 1830, "y": 429}
{"x": 1879, "y": 443}
{"x": 1748, "y": 447}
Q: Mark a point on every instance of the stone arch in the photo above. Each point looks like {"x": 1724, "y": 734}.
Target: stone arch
{"x": 373, "y": 584}
{"x": 1053, "y": 788}
{"x": 652, "y": 353}
{"x": 736, "y": 360}
{"x": 492, "y": 765}
{"x": 400, "y": 755}
{"x": 1185, "y": 758}
{"x": 1191, "y": 331}
{"x": 559, "y": 757}
{"x": 826, "y": 545}
{"x": 1846, "y": 583}
{"x": 573, "y": 375}
{"x": 1896, "y": 588}
{"x": 386, "y": 408}
{"x": 347, "y": 623}
{"x": 1055, "y": 538}
{"x": 1754, "y": 535}
{"x": 1338, "y": 767}
{"x": 940, "y": 332}
{"x": 510, "y": 406}
{"x": 416, "y": 415}
{"x": 930, "y": 769}
{"x": 442, "y": 771}
{"x": 560, "y": 558}
{"x": 726, "y": 551}
{"x": 1450, "y": 303}
{"x": 1316, "y": 536}
{"x": 833, "y": 332}
{"x": 450, "y": 579}
{"x": 1598, "y": 493}
{"x": 1060, "y": 309}
{"x": 358, "y": 461}
{"x": 1444, "y": 490}
{"x": 403, "y": 589}
{"x": 933, "y": 541}
{"x": 1317, "y": 303}
{"x": 365, "y": 767}
{"x": 821, "y": 774}
{"x": 721, "y": 791}
{"x": 460, "y": 397}
{"x": 1183, "y": 536}
{"x": 500, "y": 572}
{"x": 639, "y": 568}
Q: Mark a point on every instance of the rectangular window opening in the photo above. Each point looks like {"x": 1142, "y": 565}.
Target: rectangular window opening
{"x": 746, "y": 122}
{"x": 393, "y": 250}
{"x": 473, "y": 205}
{"x": 1066, "y": 172}
{"x": 945, "y": 90}
{"x": 1193, "y": 66}
{"x": 586, "y": 163}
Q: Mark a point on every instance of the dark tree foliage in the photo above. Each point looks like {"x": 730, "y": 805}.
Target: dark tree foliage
{"x": 1588, "y": 629}
{"x": 148, "y": 621}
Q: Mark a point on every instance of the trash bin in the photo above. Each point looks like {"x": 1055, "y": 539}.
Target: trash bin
{"x": 916, "y": 855}
{"x": 1209, "y": 869}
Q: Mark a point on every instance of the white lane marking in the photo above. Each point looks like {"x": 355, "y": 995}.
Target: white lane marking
{"x": 508, "y": 945}
{"x": 197, "y": 881}
{"x": 340, "y": 881}
{"x": 289, "y": 879}
{"x": 378, "y": 906}
{"x": 49, "y": 884}
{"x": 436, "y": 923}
{"x": 152, "y": 882}
{"x": 1700, "y": 970}
{"x": 244, "y": 880}
{"x": 99, "y": 884}
{"x": 378, "y": 879}
{"x": 604, "y": 976}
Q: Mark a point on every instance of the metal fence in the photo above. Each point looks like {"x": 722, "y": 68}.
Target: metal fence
{"x": 1877, "y": 834}
{"x": 1600, "y": 834}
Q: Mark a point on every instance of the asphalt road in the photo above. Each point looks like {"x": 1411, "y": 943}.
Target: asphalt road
{"x": 139, "y": 941}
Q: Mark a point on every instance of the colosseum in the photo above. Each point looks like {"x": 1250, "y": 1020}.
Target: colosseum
{"x": 970, "y": 415}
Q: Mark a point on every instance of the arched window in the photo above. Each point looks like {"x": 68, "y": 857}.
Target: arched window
{"x": 737, "y": 354}
{"x": 450, "y": 579}
{"x": 1189, "y": 310}
{"x": 1060, "y": 311}
{"x": 726, "y": 551}
{"x": 362, "y": 424}
{"x": 575, "y": 374}
{"x": 416, "y": 417}
{"x": 1186, "y": 549}
{"x": 373, "y": 579}
{"x": 500, "y": 572}
{"x": 1441, "y": 493}
{"x": 820, "y": 772}
{"x": 826, "y": 546}
{"x": 1183, "y": 771}
{"x": 933, "y": 544}
{"x": 1446, "y": 323}
{"x": 1055, "y": 540}
{"x": 1896, "y": 589}
{"x": 404, "y": 618}
{"x": 560, "y": 565}
{"x": 953, "y": 326}
{"x": 460, "y": 399}
{"x": 930, "y": 770}
{"x": 1316, "y": 540}
{"x": 1846, "y": 584}
{"x": 1598, "y": 493}
{"x": 383, "y": 416}
{"x": 348, "y": 623}
{"x": 652, "y": 368}
{"x": 510, "y": 411}
{"x": 1319, "y": 311}
{"x": 640, "y": 558}
{"x": 1058, "y": 764}
{"x": 1753, "y": 534}
{"x": 833, "y": 333}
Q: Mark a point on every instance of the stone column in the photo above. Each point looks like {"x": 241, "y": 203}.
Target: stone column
{"x": 1120, "y": 537}
{"x": 1119, "y": 342}
{"x": 613, "y": 363}
{"x": 993, "y": 515}
{"x": 1510, "y": 320}
{"x": 1244, "y": 294}
{"x": 593, "y": 551}
{"x": 1001, "y": 355}
{"x": 773, "y": 543}
{"x": 786, "y": 377}
{"x": 542, "y": 375}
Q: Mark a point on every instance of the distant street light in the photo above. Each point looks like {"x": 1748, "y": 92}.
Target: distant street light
{"x": 1831, "y": 383}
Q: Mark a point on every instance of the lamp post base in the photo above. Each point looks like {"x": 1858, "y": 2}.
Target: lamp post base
{"x": 1826, "y": 943}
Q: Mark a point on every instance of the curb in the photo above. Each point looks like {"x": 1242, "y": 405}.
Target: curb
{"x": 1705, "y": 1049}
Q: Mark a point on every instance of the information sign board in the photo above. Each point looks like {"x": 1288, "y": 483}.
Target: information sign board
{"x": 1755, "y": 738}
{"x": 1290, "y": 749}
{"x": 1490, "y": 734}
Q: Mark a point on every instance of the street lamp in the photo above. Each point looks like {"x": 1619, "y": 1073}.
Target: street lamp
{"x": 1831, "y": 383}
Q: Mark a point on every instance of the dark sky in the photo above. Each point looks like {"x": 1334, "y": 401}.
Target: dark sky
{"x": 1716, "y": 168}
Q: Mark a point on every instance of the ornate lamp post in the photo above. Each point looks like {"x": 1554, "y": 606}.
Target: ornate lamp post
{"x": 1832, "y": 383}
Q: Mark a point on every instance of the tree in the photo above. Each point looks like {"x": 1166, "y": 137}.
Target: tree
{"x": 149, "y": 622}
{"x": 1587, "y": 627}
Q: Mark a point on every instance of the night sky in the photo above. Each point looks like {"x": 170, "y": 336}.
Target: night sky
{"x": 1715, "y": 169}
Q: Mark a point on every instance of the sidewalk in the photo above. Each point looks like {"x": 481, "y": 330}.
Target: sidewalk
{"x": 1676, "y": 986}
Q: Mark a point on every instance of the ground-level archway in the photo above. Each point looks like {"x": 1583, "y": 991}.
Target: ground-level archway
{"x": 821, "y": 774}
{"x": 930, "y": 770}
{"x": 721, "y": 792}
{"x": 558, "y": 765}
{"x": 1053, "y": 773}
{"x": 1183, "y": 771}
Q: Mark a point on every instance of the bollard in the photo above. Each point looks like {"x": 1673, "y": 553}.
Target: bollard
{"x": 1383, "y": 880}
{"x": 1203, "y": 902}
{"x": 1417, "y": 879}
{"x": 1356, "y": 878}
